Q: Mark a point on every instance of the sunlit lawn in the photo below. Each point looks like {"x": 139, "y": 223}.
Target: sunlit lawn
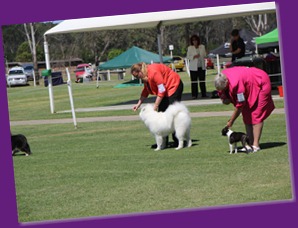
{"x": 106, "y": 168}
{"x": 28, "y": 103}
{"x": 109, "y": 168}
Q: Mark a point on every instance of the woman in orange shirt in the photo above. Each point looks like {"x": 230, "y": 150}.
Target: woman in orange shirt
{"x": 158, "y": 80}
{"x": 161, "y": 81}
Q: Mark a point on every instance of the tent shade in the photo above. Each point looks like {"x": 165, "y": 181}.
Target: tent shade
{"x": 246, "y": 35}
{"x": 152, "y": 19}
{"x": 270, "y": 37}
{"x": 130, "y": 57}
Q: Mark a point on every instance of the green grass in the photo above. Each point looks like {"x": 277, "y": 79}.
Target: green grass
{"x": 85, "y": 96}
{"x": 109, "y": 168}
{"x": 32, "y": 103}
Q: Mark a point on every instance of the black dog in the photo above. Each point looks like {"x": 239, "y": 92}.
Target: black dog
{"x": 235, "y": 137}
{"x": 20, "y": 143}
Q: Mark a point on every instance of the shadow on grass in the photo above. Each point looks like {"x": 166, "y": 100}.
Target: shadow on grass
{"x": 19, "y": 154}
{"x": 264, "y": 146}
{"x": 151, "y": 99}
{"x": 172, "y": 144}
{"x": 16, "y": 86}
{"x": 269, "y": 145}
{"x": 238, "y": 151}
{"x": 185, "y": 97}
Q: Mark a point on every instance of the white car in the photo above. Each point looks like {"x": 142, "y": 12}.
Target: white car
{"x": 16, "y": 76}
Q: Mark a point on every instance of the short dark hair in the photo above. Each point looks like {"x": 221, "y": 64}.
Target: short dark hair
{"x": 196, "y": 37}
{"x": 235, "y": 32}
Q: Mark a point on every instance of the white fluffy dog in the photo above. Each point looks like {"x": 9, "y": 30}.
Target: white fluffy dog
{"x": 175, "y": 119}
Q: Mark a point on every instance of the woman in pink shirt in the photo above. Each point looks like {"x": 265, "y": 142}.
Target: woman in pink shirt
{"x": 249, "y": 90}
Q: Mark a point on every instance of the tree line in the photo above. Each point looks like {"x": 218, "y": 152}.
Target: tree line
{"x": 104, "y": 45}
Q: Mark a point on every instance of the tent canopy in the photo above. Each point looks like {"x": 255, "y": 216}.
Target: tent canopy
{"x": 153, "y": 19}
{"x": 268, "y": 38}
{"x": 130, "y": 57}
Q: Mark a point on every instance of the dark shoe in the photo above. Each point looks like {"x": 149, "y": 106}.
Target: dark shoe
{"x": 154, "y": 146}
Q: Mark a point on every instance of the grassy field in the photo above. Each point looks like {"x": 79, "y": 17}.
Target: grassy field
{"x": 32, "y": 103}
{"x": 109, "y": 168}
{"x": 106, "y": 168}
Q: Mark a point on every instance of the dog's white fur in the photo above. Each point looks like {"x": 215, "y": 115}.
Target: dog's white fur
{"x": 175, "y": 119}
{"x": 232, "y": 146}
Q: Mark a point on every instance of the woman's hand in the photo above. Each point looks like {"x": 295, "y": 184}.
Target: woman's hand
{"x": 226, "y": 101}
{"x": 234, "y": 116}
{"x": 196, "y": 56}
{"x": 136, "y": 107}
{"x": 157, "y": 103}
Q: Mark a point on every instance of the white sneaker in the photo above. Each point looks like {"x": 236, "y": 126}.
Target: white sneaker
{"x": 256, "y": 148}
{"x": 246, "y": 149}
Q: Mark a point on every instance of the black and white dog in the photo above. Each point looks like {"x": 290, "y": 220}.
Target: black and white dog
{"x": 19, "y": 143}
{"x": 235, "y": 137}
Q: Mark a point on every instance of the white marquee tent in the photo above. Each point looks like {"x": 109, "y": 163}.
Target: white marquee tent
{"x": 152, "y": 19}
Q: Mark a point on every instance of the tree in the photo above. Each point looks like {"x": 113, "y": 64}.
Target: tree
{"x": 258, "y": 24}
{"x": 23, "y": 53}
{"x": 13, "y": 37}
{"x": 114, "y": 53}
{"x": 91, "y": 46}
{"x": 30, "y": 34}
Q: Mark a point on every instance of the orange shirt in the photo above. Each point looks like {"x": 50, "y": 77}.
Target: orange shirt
{"x": 162, "y": 81}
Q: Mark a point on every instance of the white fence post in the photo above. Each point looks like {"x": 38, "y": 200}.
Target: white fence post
{"x": 71, "y": 99}
{"x": 218, "y": 65}
{"x": 187, "y": 66}
{"x": 109, "y": 75}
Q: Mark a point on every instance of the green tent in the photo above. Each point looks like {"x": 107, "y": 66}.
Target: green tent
{"x": 268, "y": 38}
{"x": 130, "y": 57}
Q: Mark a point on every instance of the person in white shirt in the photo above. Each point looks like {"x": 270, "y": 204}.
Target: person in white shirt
{"x": 196, "y": 54}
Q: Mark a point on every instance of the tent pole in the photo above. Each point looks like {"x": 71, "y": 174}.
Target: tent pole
{"x": 159, "y": 41}
{"x": 48, "y": 66}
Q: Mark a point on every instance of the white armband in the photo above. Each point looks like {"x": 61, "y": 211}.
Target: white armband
{"x": 240, "y": 97}
{"x": 161, "y": 88}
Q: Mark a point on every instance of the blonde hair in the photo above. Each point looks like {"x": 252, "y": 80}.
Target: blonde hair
{"x": 220, "y": 82}
{"x": 139, "y": 67}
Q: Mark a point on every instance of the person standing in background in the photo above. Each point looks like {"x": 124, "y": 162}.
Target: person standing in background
{"x": 237, "y": 45}
{"x": 97, "y": 63}
{"x": 196, "y": 54}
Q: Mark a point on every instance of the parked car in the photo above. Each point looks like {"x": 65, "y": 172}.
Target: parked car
{"x": 29, "y": 71}
{"x": 80, "y": 71}
{"x": 209, "y": 63}
{"x": 270, "y": 64}
{"x": 178, "y": 63}
{"x": 225, "y": 65}
{"x": 16, "y": 76}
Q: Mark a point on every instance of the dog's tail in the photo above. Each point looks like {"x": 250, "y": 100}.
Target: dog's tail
{"x": 177, "y": 107}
